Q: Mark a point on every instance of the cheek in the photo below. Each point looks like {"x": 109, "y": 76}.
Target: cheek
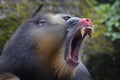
{"x": 49, "y": 42}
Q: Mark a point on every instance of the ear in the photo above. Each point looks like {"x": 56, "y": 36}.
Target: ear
{"x": 37, "y": 10}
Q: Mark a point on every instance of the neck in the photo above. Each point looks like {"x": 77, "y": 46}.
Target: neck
{"x": 54, "y": 64}
{"x": 59, "y": 66}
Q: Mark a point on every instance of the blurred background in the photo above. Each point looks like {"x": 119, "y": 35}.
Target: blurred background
{"x": 101, "y": 53}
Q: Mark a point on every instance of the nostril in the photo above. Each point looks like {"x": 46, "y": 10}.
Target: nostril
{"x": 87, "y": 20}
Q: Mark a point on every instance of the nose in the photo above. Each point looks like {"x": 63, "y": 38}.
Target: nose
{"x": 86, "y": 21}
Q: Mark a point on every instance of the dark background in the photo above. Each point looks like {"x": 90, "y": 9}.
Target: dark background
{"x": 101, "y": 54}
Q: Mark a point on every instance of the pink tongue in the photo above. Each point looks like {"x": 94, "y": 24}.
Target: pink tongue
{"x": 75, "y": 53}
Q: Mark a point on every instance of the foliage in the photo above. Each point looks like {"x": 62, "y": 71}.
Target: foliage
{"x": 15, "y": 14}
{"x": 111, "y": 19}
{"x": 93, "y": 46}
{"x": 102, "y": 65}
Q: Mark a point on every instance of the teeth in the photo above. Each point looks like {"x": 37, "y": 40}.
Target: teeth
{"x": 86, "y": 30}
{"x": 90, "y": 31}
{"x": 82, "y": 32}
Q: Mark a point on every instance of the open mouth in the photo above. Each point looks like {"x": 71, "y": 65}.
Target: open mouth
{"x": 73, "y": 56}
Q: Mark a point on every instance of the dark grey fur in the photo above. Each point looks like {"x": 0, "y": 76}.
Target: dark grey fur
{"x": 19, "y": 57}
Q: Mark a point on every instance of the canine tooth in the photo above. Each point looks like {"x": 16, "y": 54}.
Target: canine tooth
{"x": 82, "y": 32}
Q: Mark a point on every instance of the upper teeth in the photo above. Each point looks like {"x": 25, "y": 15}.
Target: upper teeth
{"x": 83, "y": 31}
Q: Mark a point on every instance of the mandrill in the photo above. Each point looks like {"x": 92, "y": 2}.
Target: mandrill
{"x": 46, "y": 47}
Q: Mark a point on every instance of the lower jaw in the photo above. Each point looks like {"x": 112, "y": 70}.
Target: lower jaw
{"x": 73, "y": 59}
{"x": 72, "y": 63}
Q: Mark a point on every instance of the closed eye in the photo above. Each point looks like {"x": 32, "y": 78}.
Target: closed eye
{"x": 41, "y": 22}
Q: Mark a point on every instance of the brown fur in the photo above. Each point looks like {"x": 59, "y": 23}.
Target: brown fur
{"x": 59, "y": 65}
{"x": 50, "y": 48}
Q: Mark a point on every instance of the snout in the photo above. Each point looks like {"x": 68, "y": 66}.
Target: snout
{"x": 82, "y": 26}
{"x": 78, "y": 29}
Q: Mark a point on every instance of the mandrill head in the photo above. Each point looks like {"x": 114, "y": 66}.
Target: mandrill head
{"x": 48, "y": 44}
{"x": 59, "y": 37}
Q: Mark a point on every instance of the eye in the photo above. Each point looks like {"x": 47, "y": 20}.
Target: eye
{"x": 66, "y": 18}
{"x": 41, "y": 22}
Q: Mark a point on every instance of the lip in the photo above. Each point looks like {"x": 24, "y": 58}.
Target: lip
{"x": 76, "y": 39}
{"x": 73, "y": 55}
